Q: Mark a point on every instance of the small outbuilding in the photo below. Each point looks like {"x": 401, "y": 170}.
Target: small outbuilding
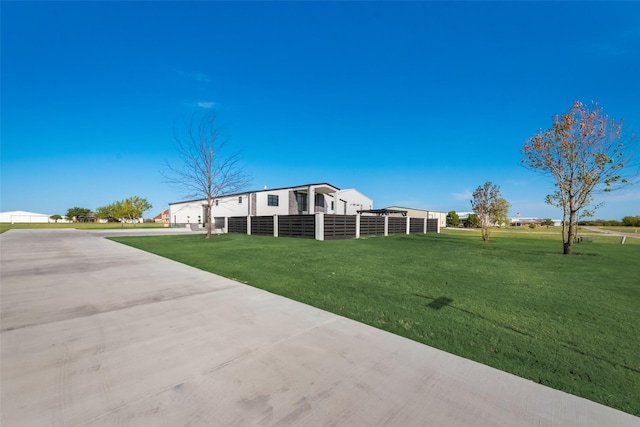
{"x": 422, "y": 213}
{"x": 24, "y": 217}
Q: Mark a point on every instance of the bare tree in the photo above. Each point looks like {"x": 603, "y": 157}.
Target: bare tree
{"x": 206, "y": 170}
{"x": 489, "y": 207}
{"x": 584, "y": 152}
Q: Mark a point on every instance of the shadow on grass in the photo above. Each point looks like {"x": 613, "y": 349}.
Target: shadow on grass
{"x": 440, "y": 302}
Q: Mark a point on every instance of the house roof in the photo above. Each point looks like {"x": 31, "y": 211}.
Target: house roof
{"x": 164, "y": 212}
{"x": 23, "y": 213}
{"x": 383, "y": 211}
{"x": 304, "y": 186}
{"x": 413, "y": 209}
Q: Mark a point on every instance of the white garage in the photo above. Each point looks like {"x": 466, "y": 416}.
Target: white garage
{"x": 23, "y": 216}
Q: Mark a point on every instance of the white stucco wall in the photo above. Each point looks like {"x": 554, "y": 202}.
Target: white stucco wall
{"x": 237, "y": 205}
{"x": 355, "y": 201}
{"x": 184, "y": 213}
{"x": 262, "y": 207}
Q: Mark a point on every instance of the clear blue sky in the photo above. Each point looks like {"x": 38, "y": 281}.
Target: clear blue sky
{"x": 414, "y": 104}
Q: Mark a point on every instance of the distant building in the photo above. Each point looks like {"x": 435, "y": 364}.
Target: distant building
{"x": 464, "y": 219}
{"x": 519, "y": 222}
{"x": 162, "y": 218}
{"x": 423, "y": 213}
{"x": 24, "y": 217}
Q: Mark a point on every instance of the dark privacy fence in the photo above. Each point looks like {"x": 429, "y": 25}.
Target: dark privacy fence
{"x": 262, "y": 225}
{"x": 238, "y": 224}
{"x": 339, "y": 227}
{"x": 297, "y": 226}
{"x": 330, "y": 227}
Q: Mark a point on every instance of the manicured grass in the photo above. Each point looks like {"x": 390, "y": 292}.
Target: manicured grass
{"x": 553, "y": 233}
{"x": 5, "y": 226}
{"x": 515, "y": 303}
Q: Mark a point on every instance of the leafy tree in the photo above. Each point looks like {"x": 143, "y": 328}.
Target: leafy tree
{"x": 473, "y": 221}
{"x": 631, "y": 221}
{"x": 584, "y": 151}
{"x": 206, "y": 170}
{"x": 453, "y": 219}
{"x": 109, "y": 212}
{"x": 104, "y": 212}
{"x": 55, "y": 217}
{"x": 489, "y": 207}
{"x": 127, "y": 210}
{"x": 547, "y": 222}
{"x": 501, "y": 211}
{"x": 73, "y": 214}
{"x": 133, "y": 208}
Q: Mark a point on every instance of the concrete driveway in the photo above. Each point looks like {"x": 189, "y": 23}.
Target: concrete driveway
{"x": 95, "y": 333}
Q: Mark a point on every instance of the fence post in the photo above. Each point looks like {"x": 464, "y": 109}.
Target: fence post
{"x": 386, "y": 225}
{"x": 358, "y": 226}
{"x": 319, "y": 226}
{"x": 408, "y": 225}
{"x": 275, "y": 225}
{"x": 426, "y": 220}
{"x": 248, "y": 226}
{"x": 226, "y": 225}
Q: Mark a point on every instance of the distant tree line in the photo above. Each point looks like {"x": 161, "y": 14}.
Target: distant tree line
{"x": 627, "y": 221}
{"x": 453, "y": 220}
{"x": 130, "y": 209}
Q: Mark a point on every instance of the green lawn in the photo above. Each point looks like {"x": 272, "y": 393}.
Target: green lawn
{"x": 547, "y": 233}
{"x": 5, "y": 226}
{"x": 515, "y": 303}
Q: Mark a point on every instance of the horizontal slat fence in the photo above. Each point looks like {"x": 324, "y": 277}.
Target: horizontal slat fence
{"x": 339, "y": 227}
{"x": 303, "y": 226}
{"x": 262, "y": 225}
{"x": 371, "y": 226}
{"x": 397, "y": 225}
{"x": 238, "y": 224}
{"x": 335, "y": 226}
{"x": 416, "y": 225}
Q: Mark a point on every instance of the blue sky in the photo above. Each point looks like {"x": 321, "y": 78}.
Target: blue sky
{"x": 412, "y": 103}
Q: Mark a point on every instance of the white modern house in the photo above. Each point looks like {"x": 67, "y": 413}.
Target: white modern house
{"x": 299, "y": 200}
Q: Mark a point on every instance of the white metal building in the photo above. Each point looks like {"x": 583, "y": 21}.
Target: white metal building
{"x": 24, "y": 217}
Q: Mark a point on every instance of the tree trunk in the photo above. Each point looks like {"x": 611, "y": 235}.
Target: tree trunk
{"x": 485, "y": 234}
{"x": 568, "y": 243}
{"x": 208, "y": 219}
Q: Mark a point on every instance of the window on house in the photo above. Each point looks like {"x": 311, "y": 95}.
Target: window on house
{"x": 332, "y": 208}
{"x": 272, "y": 200}
{"x": 301, "y": 198}
{"x": 240, "y": 200}
{"x": 216, "y": 203}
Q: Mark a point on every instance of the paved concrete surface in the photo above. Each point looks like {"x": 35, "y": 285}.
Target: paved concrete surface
{"x": 94, "y": 333}
{"x": 633, "y": 235}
